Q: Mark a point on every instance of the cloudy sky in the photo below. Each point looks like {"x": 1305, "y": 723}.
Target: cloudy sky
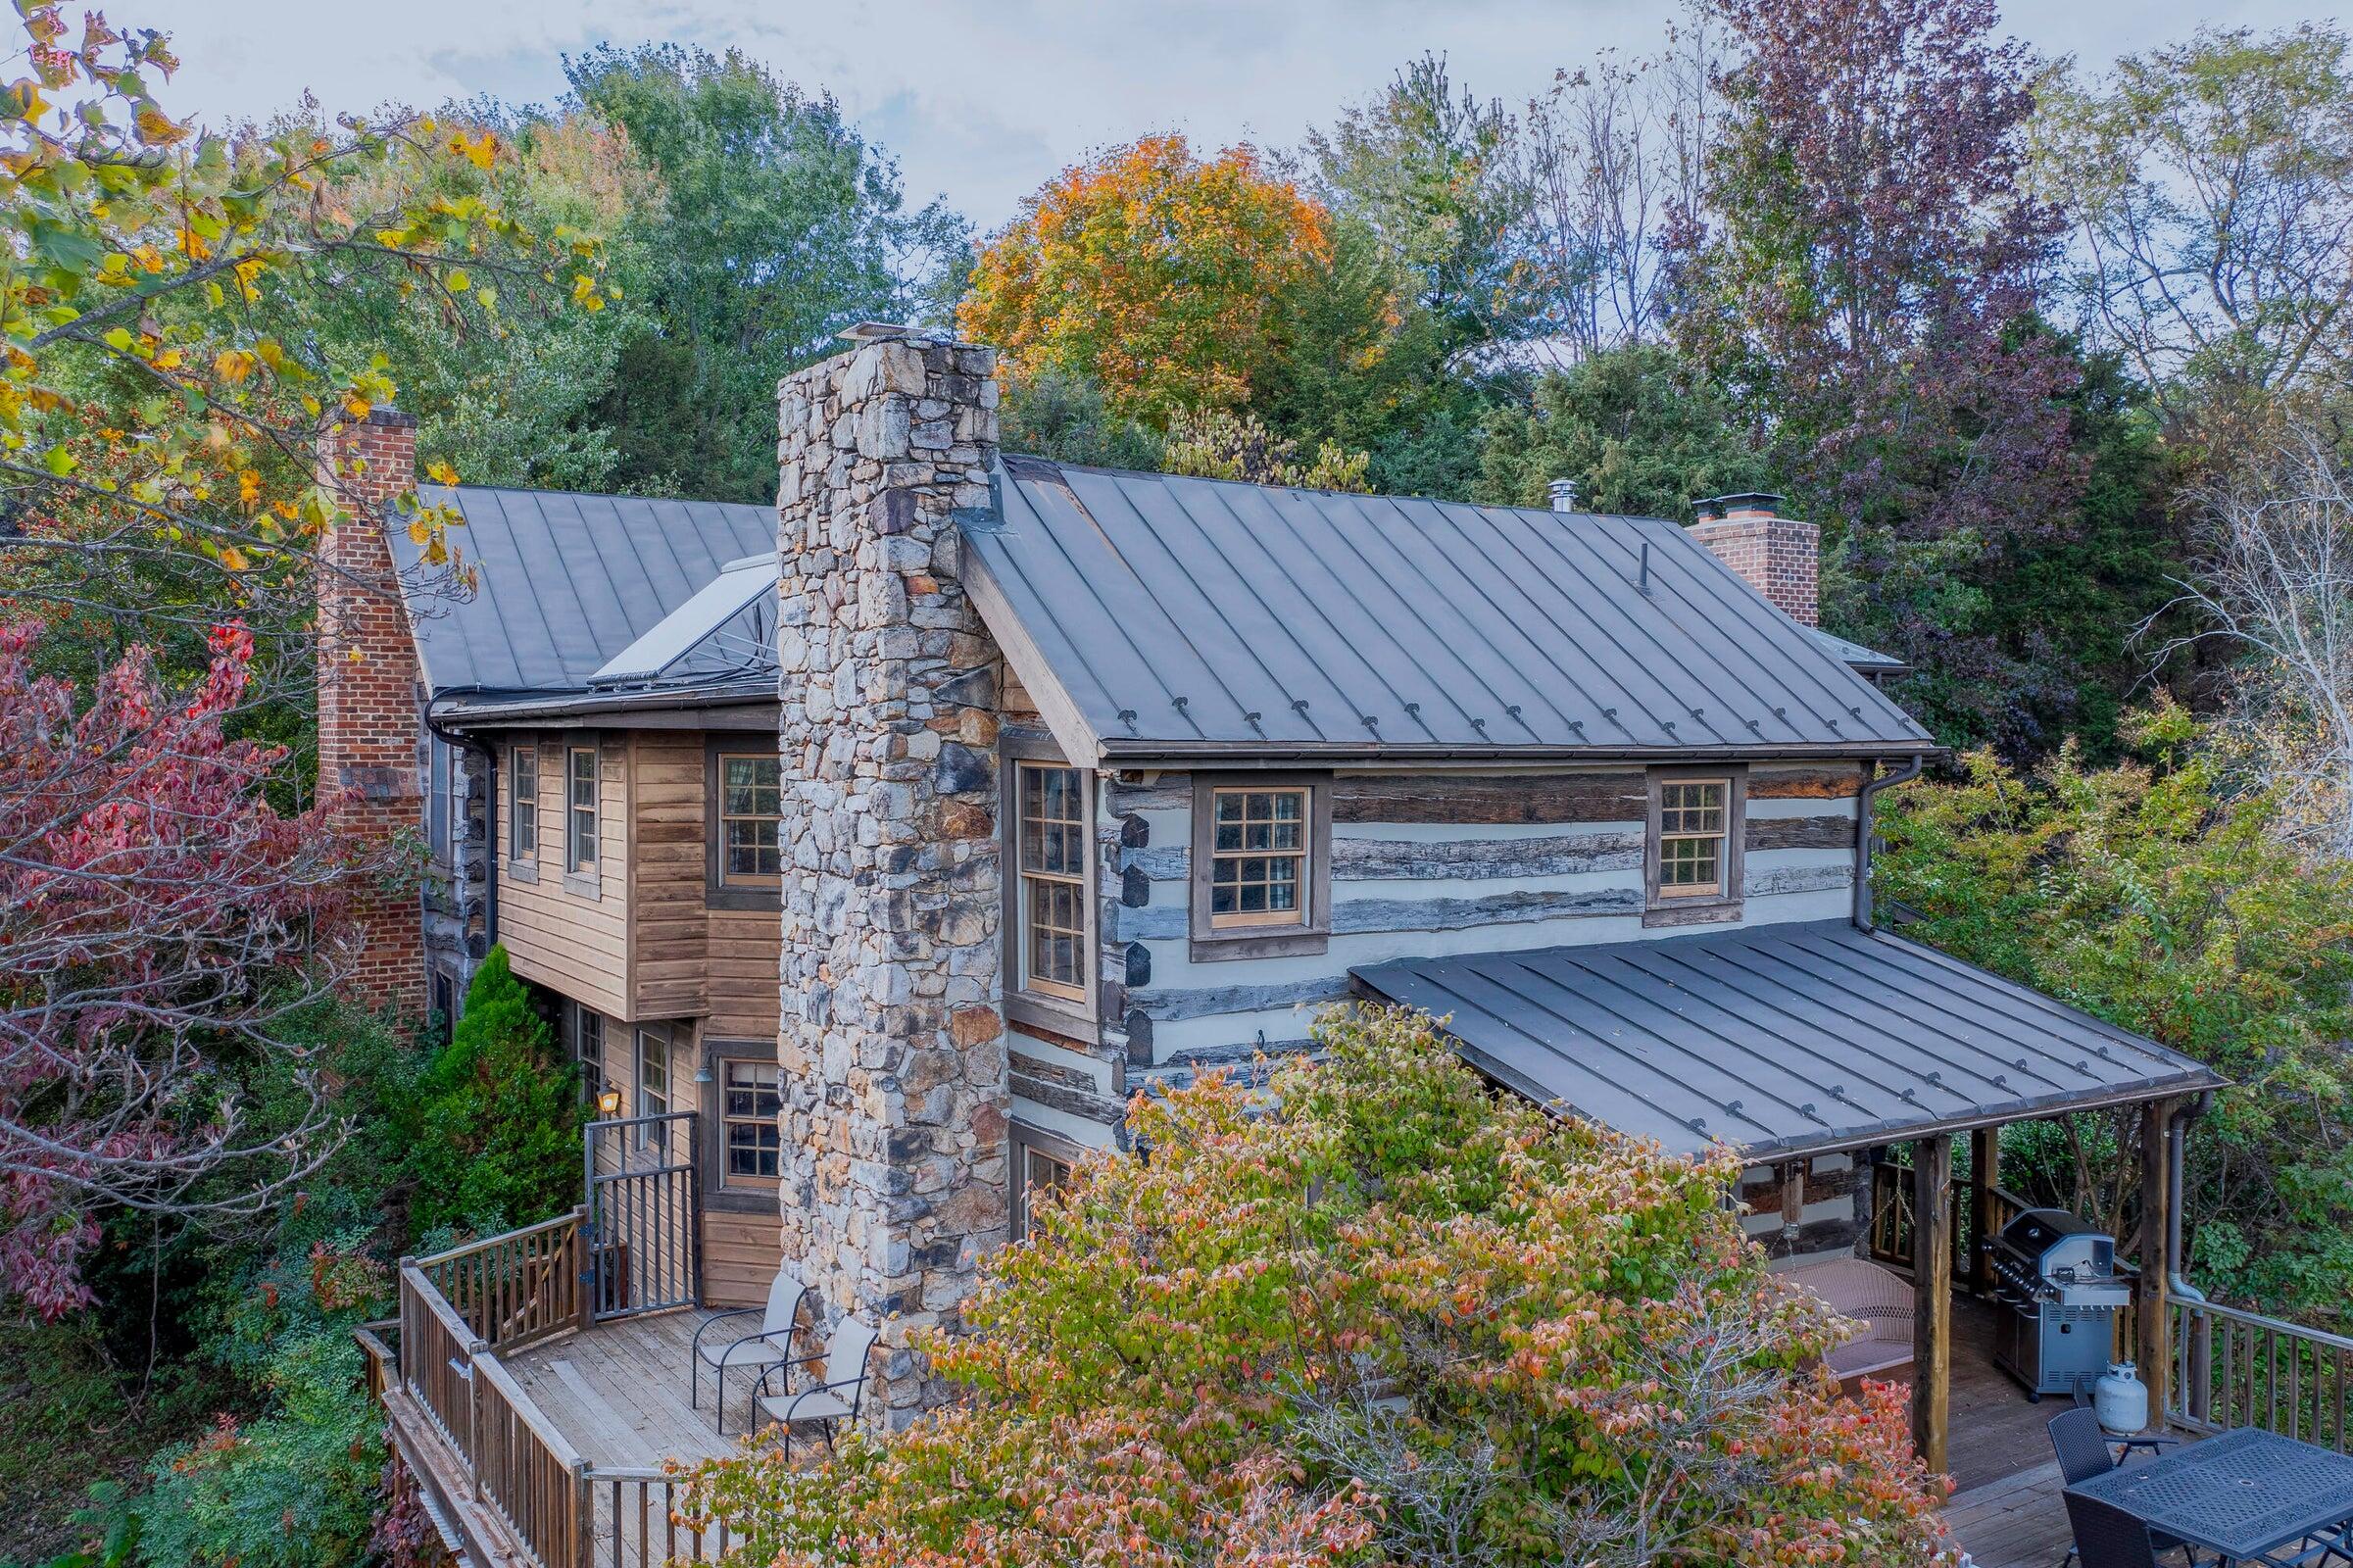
{"x": 983, "y": 99}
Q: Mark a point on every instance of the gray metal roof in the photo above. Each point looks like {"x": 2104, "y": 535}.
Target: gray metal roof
{"x": 1869, "y": 661}
{"x": 1778, "y": 1039}
{"x": 564, "y": 583}
{"x": 1165, "y": 615}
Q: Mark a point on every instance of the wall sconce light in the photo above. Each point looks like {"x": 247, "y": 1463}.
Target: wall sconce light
{"x": 608, "y": 1104}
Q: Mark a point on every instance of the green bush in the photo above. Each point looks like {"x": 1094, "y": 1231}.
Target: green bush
{"x": 499, "y": 1126}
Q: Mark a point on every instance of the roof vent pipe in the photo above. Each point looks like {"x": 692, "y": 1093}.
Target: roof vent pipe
{"x": 1565, "y": 495}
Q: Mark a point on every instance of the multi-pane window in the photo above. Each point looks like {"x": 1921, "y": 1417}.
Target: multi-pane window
{"x": 751, "y": 1139}
{"x": 525, "y": 828}
{"x": 653, "y": 1086}
{"x": 581, "y": 809}
{"x": 442, "y": 761}
{"x": 751, "y": 805}
{"x": 588, "y": 1050}
{"x": 1258, "y": 858}
{"x": 1040, "y": 1172}
{"x": 1694, "y": 821}
{"x": 1054, "y": 880}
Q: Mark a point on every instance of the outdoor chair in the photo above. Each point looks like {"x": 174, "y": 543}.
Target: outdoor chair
{"x": 772, "y": 1345}
{"x": 1876, "y": 1301}
{"x": 830, "y": 1403}
{"x": 2106, "y": 1535}
{"x": 2083, "y": 1449}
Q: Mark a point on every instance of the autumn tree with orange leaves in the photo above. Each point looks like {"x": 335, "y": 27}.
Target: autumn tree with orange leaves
{"x": 1167, "y": 278}
{"x": 1379, "y": 1316}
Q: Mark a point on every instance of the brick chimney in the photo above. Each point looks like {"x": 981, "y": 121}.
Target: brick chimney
{"x": 1780, "y": 556}
{"x": 370, "y": 728}
{"x": 891, "y": 1039}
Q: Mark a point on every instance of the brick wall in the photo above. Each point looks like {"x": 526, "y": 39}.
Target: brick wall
{"x": 1780, "y": 556}
{"x": 369, "y": 731}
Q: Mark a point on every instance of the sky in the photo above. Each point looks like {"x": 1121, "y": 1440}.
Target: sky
{"x": 983, "y": 100}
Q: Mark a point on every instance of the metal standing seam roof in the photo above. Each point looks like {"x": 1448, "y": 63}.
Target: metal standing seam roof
{"x": 564, "y": 582}
{"x": 1778, "y": 1039}
{"x": 1180, "y": 615}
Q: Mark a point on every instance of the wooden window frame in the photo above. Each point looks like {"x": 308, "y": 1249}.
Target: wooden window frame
{"x": 522, "y": 849}
{"x": 584, "y": 878}
{"x": 590, "y": 1064}
{"x": 1725, "y": 904}
{"x": 1312, "y": 933}
{"x": 638, "y": 1038}
{"x": 1074, "y": 1015}
{"x": 720, "y": 890}
{"x": 1021, "y": 1141}
{"x": 745, "y": 1195}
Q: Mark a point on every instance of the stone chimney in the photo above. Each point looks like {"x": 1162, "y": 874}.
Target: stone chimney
{"x": 370, "y": 728}
{"x": 1780, "y": 556}
{"x": 891, "y": 1041}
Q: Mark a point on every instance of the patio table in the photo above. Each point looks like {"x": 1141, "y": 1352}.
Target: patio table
{"x": 2242, "y": 1494}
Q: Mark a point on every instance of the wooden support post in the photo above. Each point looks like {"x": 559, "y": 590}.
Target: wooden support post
{"x": 2152, "y": 1304}
{"x": 1932, "y": 1299}
{"x": 1985, "y": 1174}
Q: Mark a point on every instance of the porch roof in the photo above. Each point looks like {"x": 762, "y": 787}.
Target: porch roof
{"x": 1778, "y": 1040}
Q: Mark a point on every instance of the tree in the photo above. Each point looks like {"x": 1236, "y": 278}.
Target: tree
{"x": 498, "y": 1122}
{"x": 777, "y": 226}
{"x": 1222, "y": 446}
{"x": 2212, "y": 187}
{"x": 1862, "y": 280}
{"x": 1163, "y": 277}
{"x": 1633, "y": 426}
{"x": 147, "y": 888}
{"x": 1429, "y": 172}
{"x": 1384, "y": 1315}
{"x": 2274, "y": 579}
{"x": 1063, "y": 414}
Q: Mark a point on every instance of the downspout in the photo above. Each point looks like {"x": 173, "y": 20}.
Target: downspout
{"x": 457, "y": 740}
{"x": 1862, "y": 854}
{"x": 2177, "y": 1146}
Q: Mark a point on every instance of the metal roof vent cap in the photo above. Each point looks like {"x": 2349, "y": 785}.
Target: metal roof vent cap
{"x": 1565, "y": 495}
{"x": 1742, "y": 505}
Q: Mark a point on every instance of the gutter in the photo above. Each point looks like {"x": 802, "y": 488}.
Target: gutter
{"x": 1862, "y": 833}
{"x": 456, "y": 742}
{"x": 1389, "y": 755}
{"x": 587, "y": 705}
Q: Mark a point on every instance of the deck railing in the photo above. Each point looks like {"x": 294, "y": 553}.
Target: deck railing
{"x": 636, "y": 1521}
{"x": 1890, "y": 1239}
{"x": 2240, "y": 1369}
{"x": 456, "y": 1309}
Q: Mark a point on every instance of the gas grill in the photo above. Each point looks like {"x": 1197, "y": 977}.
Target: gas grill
{"x": 2057, "y": 1293}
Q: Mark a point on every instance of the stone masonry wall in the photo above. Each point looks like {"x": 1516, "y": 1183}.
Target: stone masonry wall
{"x": 891, "y": 1041}
{"x": 369, "y": 731}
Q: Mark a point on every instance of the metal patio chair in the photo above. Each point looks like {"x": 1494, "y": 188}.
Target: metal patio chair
{"x": 827, "y": 1403}
{"x": 2106, "y": 1535}
{"x": 770, "y": 1347}
{"x": 2081, "y": 1446}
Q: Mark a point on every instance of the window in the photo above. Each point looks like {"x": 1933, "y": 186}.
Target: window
{"x": 653, "y": 1086}
{"x": 1258, "y": 859}
{"x": 1691, "y": 828}
{"x": 1052, "y": 841}
{"x": 750, "y": 808}
{"x": 1260, "y": 880}
{"x": 588, "y": 1050}
{"x": 582, "y": 811}
{"x": 1695, "y": 844}
{"x": 523, "y": 788}
{"x": 445, "y": 1004}
{"x": 751, "y": 1137}
{"x": 441, "y": 760}
{"x": 1042, "y": 1163}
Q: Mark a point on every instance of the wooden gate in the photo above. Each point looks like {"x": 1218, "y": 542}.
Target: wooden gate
{"x": 646, "y": 1254}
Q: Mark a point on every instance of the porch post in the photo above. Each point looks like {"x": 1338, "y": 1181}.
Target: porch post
{"x": 1985, "y": 1174}
{"x": 2152, "y": 1307}
{"x": 1931, "y": 1298}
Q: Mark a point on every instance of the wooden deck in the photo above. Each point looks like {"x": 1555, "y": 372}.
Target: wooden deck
{"x": 620, "y": 1391}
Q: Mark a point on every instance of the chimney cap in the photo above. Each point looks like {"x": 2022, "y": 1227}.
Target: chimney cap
{"x": 893, "y": 332}
{"x": 1762, "y": 502}
{"x": 1565, "y": 495}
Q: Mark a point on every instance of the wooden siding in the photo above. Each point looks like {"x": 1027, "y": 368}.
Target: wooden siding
{"x": 669, "y": 927}
{"x": 572, "y": 944}
{"x": 1425, "y": 865}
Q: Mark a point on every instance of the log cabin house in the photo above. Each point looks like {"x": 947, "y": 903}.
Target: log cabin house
{"x": 871, "y": 850}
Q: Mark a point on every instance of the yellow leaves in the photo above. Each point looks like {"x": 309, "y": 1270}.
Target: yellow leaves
{"x": 158, "y": 130}
{"x": 357, "y": 406}
{"x": 192, "y": 245}
{"x": 249, "y": 490}
{"x": 458, "y": 281}
{"x": 440, "y": 472}
{"x": 235, "y": 559}
{"x": 480, "y": 151}
{"x": 584, "y": 293}
{"x": 245, "y": 271}
{"x": 233, "y": 366}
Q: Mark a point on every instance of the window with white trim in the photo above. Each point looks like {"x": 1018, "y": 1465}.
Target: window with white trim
{"x": 1052, "y": 906}
{"x": 580, "y": 773}
{"x": 523, "y": 792}
{"x": 588, "y": 1050}
{"x": 653, "y": 1086}
{"x": 751, "y": 811}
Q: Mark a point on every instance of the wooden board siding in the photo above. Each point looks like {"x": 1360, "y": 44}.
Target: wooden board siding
{"x": 668, "y": 924}
{"x": 574, "y": 945}
{"x": 1429, "y": 864}
{"x": 740, "y": 1255}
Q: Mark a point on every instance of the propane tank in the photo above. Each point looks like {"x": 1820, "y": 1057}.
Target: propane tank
{"x": 2121, "y": 1400}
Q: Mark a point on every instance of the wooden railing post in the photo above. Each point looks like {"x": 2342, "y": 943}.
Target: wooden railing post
{"x": 576, "y": 1269}
{"x": 1984, "y": 1175}
{"x": 1932, "y": 1299}
{"x": 2152, "y": 1312}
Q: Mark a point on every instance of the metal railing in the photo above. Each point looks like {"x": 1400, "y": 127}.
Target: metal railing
{"x": 2233, "y": 1368}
